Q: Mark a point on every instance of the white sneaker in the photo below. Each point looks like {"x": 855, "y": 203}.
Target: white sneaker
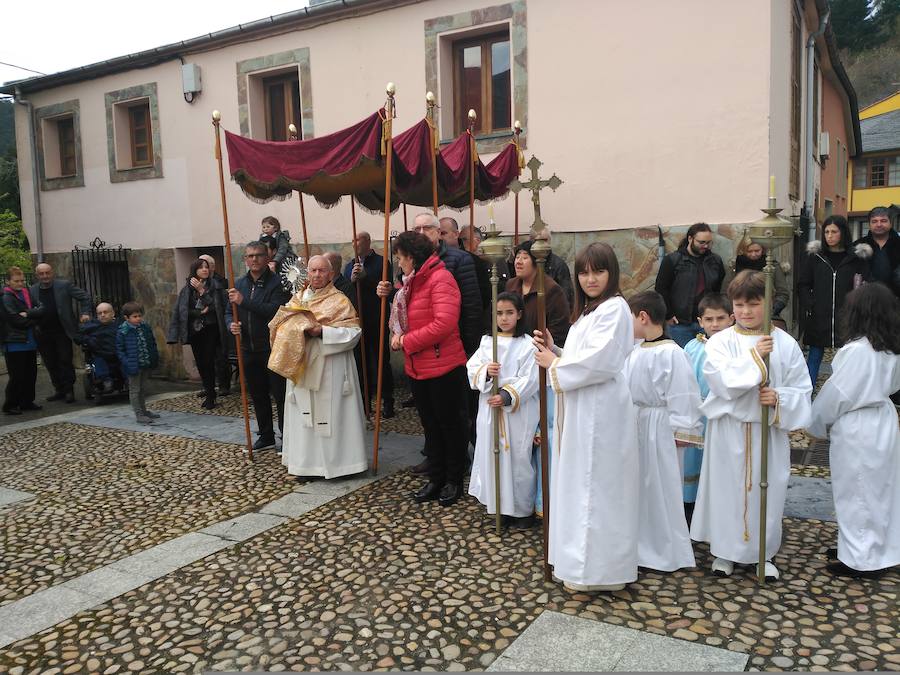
{"x": 593, "y": 588}
{"x": 771, "y": 572}
{"x": 722, "y": 567}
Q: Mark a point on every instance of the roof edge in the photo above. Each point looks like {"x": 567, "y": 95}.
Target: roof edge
{"x": 325, "y": 11}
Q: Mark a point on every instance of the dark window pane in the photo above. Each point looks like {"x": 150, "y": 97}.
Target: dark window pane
{"x": 878, "y": 173}
{"x": 140, "y": 154}
{"x": 470, "y": 84}
{"x": 500, "y": 85}
{"x": 140, "y": 136}
{"x": 277, "y": 122}
{"x": 138, "y": 117}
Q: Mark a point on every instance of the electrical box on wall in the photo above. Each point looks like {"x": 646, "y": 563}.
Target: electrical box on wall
{"x": 190, "y": 81}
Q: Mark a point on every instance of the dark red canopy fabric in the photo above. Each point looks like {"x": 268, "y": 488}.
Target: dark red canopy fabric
{"x": 350, "y": 162}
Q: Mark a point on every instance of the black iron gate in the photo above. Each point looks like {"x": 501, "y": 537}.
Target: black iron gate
{"x": 103, "y": 273}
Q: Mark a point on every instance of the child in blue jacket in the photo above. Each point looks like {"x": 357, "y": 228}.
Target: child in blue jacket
{"x": 136, "y": 348}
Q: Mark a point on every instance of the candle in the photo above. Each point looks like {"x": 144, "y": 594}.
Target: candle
{"x": 491, "y": 212}
{"x": 771, "y": 187}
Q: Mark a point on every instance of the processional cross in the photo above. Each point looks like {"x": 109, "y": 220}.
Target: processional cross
{"x": 535, "y": 185}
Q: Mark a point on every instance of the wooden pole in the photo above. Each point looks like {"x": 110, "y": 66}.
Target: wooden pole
{"x": 472, "y": 160}
{"x": 541, "y": 256}
{"x": 388, "y": 152}
{"x": 495, "y": 412}
{"x": 216, "y": 121}
{"x": 362, "y": 328}
{"x": 405, "y": 224}
{"x": 769, "y": 271}
{"x": 518, "y": 130}
{"x": 430, "y": 102}
{"x": 292, "y": 135}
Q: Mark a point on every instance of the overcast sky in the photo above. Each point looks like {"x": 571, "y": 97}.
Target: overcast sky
{"x": 52, "y": 35}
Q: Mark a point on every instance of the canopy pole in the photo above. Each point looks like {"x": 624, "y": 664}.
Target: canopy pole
{"x": 292, "y": 135}
{"x": 388, "y": 148}
{"x": 362, "y": 328}
{"x": 518, "y": 131}
{"x": 405, "y": 223}
{"x": 429, "y": 115}
{"x": 541, "y": 252}
{"x": 216, "y": 121}
{"x": 473, "y": 159}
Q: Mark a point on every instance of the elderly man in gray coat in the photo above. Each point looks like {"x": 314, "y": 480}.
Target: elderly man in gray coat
{"x": 58, "y": 328}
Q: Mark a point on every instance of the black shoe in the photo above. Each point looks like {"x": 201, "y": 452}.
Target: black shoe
{"x": 13, "y": 410}
{"x": 263, "y": 443}
{"x": 224, "y": 392}
{"x": 831, "y": 554}
{"x": 523, "y": 523}
{"x": 387, "y": 411}
{"x": 201, "y": 393}
{"x": 839, "y": 569}
{"x": 58, "y": 396}
{"x": 208, "y": 403}
{"x": 428, "y": 492}
{"x": 421, "y": 468}
{"x": 32, "y": 406}
{"x": 70, "y": 397}
{"x": 409, "y": 403}
{"x": 450, "y": 494}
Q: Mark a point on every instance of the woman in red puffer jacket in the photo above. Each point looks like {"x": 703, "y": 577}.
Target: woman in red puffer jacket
{"x": 425, "y": 325}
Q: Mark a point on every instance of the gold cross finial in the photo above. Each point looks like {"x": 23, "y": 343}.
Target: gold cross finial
{"x": 535, "y": 185}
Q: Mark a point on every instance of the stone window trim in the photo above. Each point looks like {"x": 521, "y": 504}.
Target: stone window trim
{"x": 48, "y": 113}
{"x": 260, "y": 66}
{"x": 122, "y": 96}
{"x": 455, "y": 27}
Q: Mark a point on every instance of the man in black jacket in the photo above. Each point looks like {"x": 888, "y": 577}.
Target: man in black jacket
{"x": 58, "y": 328}
{"x": 885, "y": 243}
{"x": 258, "y": 295}
{"x": 225, "y": 349}
{"x": 684, "y": 277}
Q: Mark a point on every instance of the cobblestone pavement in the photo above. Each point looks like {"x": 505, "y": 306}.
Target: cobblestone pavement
{"x": 372, "y": 581}
{"x": 105, "y": 494}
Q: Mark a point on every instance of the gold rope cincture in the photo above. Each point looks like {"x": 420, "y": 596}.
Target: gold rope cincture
{"x": 748, "y": 474}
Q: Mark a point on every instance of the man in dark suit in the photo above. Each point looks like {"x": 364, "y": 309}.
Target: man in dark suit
{"x": 59, "y": 328}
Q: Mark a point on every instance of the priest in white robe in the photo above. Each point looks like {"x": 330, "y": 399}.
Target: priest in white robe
{"x": 865, "y": 454}
{"x": 312, "y": 347}
{"x": 727, "y": 510}
{"x": 519, "y": 381}
{"x": 667, "y": 400}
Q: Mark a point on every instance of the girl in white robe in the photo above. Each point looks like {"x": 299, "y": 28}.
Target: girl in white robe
{"x": 594, "y": 483}
{"x": 865, "y": 441}
{"x": 727, "y": 510}
{"x": 667, "y": 400}
{"x": 518, "y": 384}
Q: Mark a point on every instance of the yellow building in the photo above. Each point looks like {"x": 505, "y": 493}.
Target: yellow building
{"x": 875, "y": 172}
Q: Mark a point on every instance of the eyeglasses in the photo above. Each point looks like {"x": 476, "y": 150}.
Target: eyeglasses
{"x": 421, "y": 228}
{"x": 255, "y": 255}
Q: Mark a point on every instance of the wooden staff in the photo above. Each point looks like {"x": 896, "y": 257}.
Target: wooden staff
{"x": 541, "y": 251}
{"x": 362, "y": 328}
{"x": 495, "y": 389}
{"x": 216, "y": 120}
{"x": 292, "y": 131}
{"x": 405, "y": 225}
{"x": 473, "y": 157}
{"x": 518, "y": 130}
{"x": 429, "y": 115}
{"x": 388, "y": 148}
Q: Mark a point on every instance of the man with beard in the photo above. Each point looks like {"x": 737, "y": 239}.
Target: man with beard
{"x": 684, "y": 277}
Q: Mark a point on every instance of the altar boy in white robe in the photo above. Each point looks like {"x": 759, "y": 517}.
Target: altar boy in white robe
{"x": 594, "y": 483}
{"x": 865, "y": 441}
{"x": 312, "y": 347}
{"x": 517, "y": 404}
{"x": 727, "y": 510}
{"x": 667, "y": 401}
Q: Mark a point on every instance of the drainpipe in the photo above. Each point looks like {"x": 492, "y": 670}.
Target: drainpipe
{"x": 35, "y": 176}
{"x": 811, "y": 143}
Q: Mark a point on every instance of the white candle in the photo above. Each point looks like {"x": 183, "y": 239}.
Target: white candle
{"x": 771, "y": 187}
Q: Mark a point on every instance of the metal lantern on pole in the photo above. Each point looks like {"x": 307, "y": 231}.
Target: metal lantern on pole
{"x": 495, "y": 250}
{"x": 769, "y": 232}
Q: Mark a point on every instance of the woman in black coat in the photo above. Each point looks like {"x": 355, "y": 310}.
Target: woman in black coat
{"x": 20, "y": 314}
{"x": 833, "y": 268}
{"x": 199, "y": 320}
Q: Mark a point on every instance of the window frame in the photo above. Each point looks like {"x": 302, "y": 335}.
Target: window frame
{"x": 120, "y": 134}
{"x": 64, "y": 143}
{"x": 485, "y": 42}
{"x": 133, "y": 128}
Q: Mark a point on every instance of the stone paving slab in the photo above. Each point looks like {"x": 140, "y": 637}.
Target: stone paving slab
{"x": 563, "y": 643}
{"x": 809, "y": 498}
{"x": 10, "y": 496}
{"x": 243, "y": 527}
{"x": 294, "y": 504}
{"x": 107, "y": 583}
{"x": 43, "y": 609}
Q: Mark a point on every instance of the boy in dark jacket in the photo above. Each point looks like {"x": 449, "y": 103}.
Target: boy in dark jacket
{"x": 136, "y": 349}
{"x": 98, "y": 336}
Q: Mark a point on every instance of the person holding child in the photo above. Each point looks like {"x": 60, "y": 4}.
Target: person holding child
{"x": 136, "y": 349}
{"x": 715, "y": 316}
{"x": 854, "y": 405}
{"x": 667, "y": 399}
{"x": 271, "y": 227}
{"x": 594, "y": 495}
{"x": 515, "y": 372}
{"x": 740, "y": 383}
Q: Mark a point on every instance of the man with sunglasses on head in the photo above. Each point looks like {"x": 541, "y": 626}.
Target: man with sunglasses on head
{"x": 684, "y": 277}
{"x": 258, "y": 295}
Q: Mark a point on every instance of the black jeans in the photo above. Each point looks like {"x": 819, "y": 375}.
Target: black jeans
{"x": 442, "y": 402}
{"x": 22, "y": 369}
{"x": 56, "y": 353}
{"x": 263, "y": 384}
{"x": 224, "y": 370}
{"x": 204, "y": 345}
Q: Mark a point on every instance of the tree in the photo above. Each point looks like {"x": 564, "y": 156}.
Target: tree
{"x": 849, "y": 21}
{"x": 14, "y": 248}
{"x": 9, "y": 183}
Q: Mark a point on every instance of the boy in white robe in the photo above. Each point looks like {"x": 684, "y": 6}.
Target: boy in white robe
{"x": 667, "y": 401}
{"x": 518, "y": 407}
{"x": 865, "y": 441}
{"x": 728, "y": 500}
{"x": 715, "y": 316}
